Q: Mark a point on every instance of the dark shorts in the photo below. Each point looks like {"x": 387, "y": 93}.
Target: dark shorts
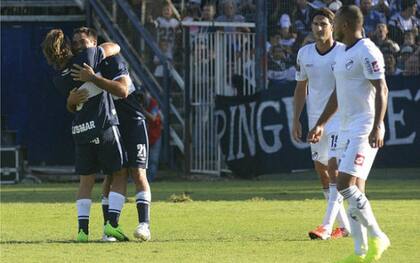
{"x": 136, "y": 143}
{"x": 104, "y": 153}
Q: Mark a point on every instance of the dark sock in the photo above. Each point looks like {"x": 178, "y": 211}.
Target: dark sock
{"x": 84, "y": 225}
{"x": 105, "y": 213}
{"x": 113, "y": 217}
{"x": 143, "y": 211}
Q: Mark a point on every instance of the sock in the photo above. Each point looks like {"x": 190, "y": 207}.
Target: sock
{"x": 83, "y": 212}
{"x": 342, "y": 218}
{"x": 359, "y": 235}
{"x": 105, "y": 207}
{"x": 326, "y": 192}
{"x": 116, "y": 203}
{"x": 360, "y": 208}
{"x": 143, "y": 200}
{"x": 334, "y": 202}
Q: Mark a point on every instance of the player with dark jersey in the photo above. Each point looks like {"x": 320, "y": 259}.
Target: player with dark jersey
{"x": 94, "y": 130}
{"x": 133, "y": 130}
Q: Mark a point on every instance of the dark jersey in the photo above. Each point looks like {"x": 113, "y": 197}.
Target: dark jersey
{"x": 98, "y": 113}
{"x": 129, "y": 108}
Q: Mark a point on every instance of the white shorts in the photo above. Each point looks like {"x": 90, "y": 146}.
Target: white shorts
{"x": 355, "y": 154}
{"x": 325, "y": 149}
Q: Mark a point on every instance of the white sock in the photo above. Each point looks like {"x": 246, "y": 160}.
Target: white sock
{"x": 326, "y": 192}
{"x": 143, "y": 200}
{"x": 335, "y": 201}
{"x": 116, "y": 202}
{"x": 104, "y": 200}
{"x": 342, "y": 218}
{"x": 83, "y": 208}
{"x": 360, "y": 208}
{"x": 359, "y": 235}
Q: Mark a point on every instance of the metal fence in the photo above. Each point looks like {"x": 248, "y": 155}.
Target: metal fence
{"x": 220, "y": 63}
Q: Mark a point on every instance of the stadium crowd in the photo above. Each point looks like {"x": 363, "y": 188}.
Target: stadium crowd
{"x": 392, "y": 24}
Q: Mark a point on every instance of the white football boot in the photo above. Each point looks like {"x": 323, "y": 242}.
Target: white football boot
{"x": 142, "y": 232}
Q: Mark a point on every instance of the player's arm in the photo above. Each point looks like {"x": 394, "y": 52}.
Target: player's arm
{"x": 315, "y": 134}
{"x": 299, "y": 99}
{"x": 117, "y": 87}
{"x": 376, "y": 139}
{"x": 110, "y": 49}
{"x": 75, "y": 98}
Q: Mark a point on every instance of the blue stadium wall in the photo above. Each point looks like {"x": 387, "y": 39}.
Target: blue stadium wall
{"x": 32, "y": 106}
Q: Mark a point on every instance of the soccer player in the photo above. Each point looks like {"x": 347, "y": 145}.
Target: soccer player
{"x": 117, "y": 81}
{"x": 94, "y": 128}
{"x": 316, "y": 83}
{"x": 361, "y": 97}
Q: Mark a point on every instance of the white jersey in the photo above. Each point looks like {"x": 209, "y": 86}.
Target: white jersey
{"x": 354, "y": 67}
{"x": 317, "y": 69}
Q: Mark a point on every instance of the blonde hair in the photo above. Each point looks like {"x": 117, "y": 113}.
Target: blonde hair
{"x": 56, "y": 48}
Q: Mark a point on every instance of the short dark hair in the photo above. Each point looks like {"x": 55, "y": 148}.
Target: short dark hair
{"x": 324, "y": 12}
{"x": 90, "y": 32}
{"x": 407, "y": 4}
{"x": 353, "y": 14}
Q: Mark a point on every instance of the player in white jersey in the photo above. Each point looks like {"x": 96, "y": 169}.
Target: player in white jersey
{"x": 361, "y": 97}
{"x": 316, "y": 83}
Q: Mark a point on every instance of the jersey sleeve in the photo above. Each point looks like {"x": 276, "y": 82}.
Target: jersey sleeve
{"x": 372, "y": 63}
{"x": 300, "y": 69}
{"x": 113, "y": 68}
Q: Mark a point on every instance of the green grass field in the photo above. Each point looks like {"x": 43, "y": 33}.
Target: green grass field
{"x": 228, "y": 221}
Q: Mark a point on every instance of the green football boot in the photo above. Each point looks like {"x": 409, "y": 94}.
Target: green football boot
{"x": 82, "y": 236}
{"x": 116, "y": 232}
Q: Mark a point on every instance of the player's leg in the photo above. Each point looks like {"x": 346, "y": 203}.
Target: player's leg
{"x": 138, "y": 157}
{"x": 106, "y": 188}
{"x": 111, "y": 158}
{"x": 335, "y": 208}
{"x": 356, "y": 165}
{"x": 83, "y": 204}
{"x": 143, "y": 201}
{"x": 320, "y": 158}
{"x": 87, "y": 167}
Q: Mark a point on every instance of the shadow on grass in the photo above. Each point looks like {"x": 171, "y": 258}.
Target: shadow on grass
{"x": 195, "y": 240}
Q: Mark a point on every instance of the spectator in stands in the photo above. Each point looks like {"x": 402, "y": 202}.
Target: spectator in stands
{"x": 404, "y": 21}
{"x": 151, "y": 110}
{"x": 167, "y": 26}
{"x": 381, "y": 6}
{"x": 287, "y": 37}
{"x": 301, "y": 17}
{"x": 409, "y": 39}
{"x": 371, "y": 17}
{"x": 333, "y": 5}
{"x": 208, "y": 13}
{"x": 391, "y": 65}
{"x": 412, "y": 64}
{"x": 248, "y": 10}
{"x": 164, "y": 47}
{"x": 308, "y": 39}
{"x": 274, "y": 40}
{"x": 193, "y": 13}
{"x": 405, "y": 54}
{"x": 229, "y": 15}
{"x": 380, "y": 38}
{"x": 280, "y": 67}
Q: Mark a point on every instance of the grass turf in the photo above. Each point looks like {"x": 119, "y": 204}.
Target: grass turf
{"x": 228, "y": 221}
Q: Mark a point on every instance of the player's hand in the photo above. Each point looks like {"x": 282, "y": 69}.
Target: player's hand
{"x": 315, "y": 134}
{"x": 297, "y": 131}
{"x": 77, "y": 96}
{"x": 376, "y": 138}
{"x": 84, "y": 73}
